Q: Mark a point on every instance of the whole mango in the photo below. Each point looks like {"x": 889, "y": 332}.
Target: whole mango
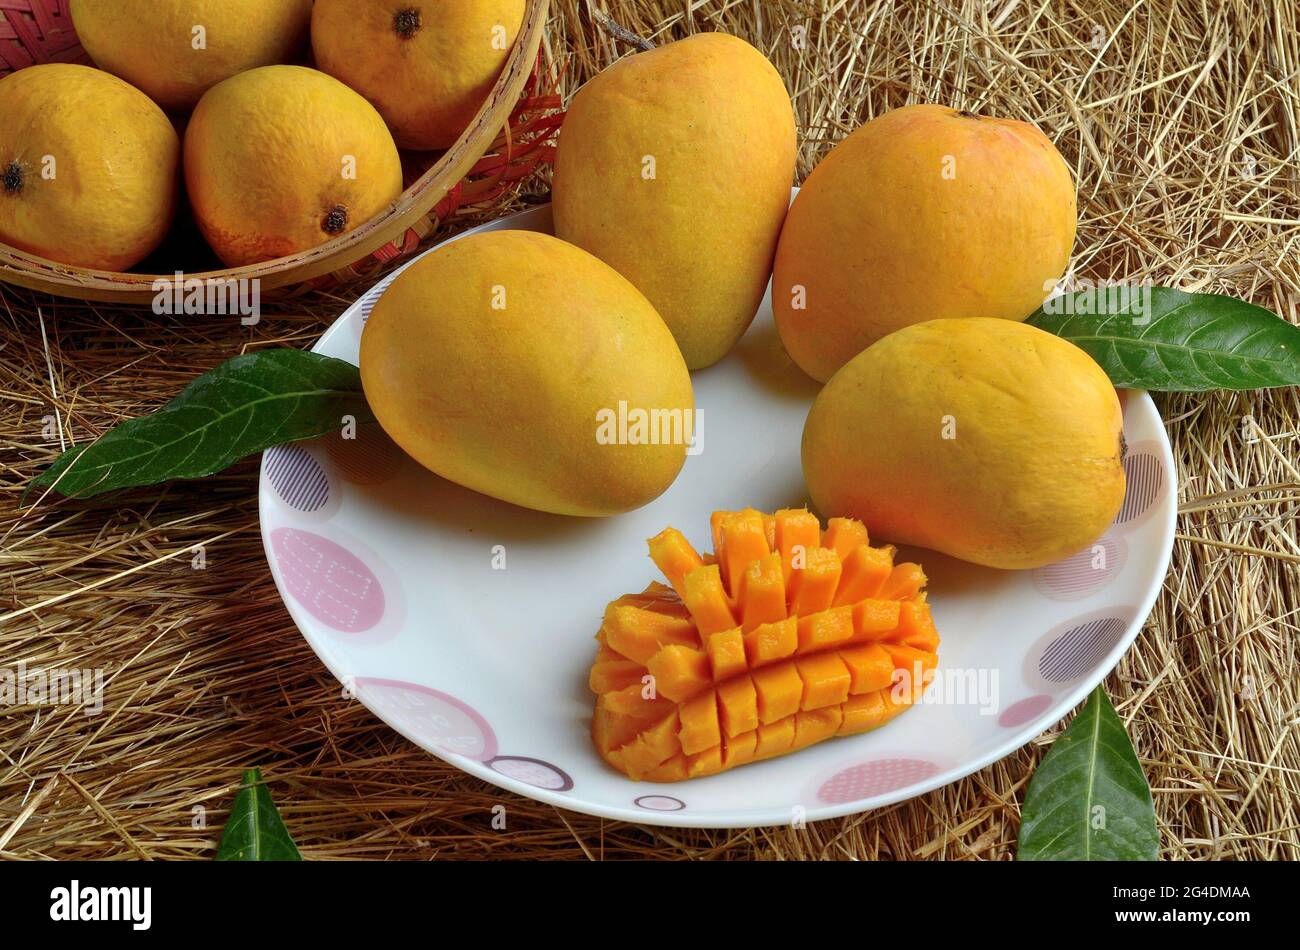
{"x": 986, "y": 439}
{"x": 524, "y": 368}
{"x": 923, "y": 213}
{"x": 674, "y": 167}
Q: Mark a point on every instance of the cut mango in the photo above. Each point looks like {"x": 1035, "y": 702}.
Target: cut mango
{"x": 782, "y": 638}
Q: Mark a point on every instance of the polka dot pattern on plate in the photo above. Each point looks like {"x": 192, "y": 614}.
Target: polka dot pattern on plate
{"x": 532, "y": 772}
{"x": 659, "y": 803}
{"x": 330, "y": 582}
{"x": 429, "y": 716}
{"x": 1027, "y": 710}
{"x": 874, "y": 778}
{"x": 1084, "y": 573}
{"x": 297, "y": 477}
{"x": 1079, "y": 649}
{"x": 1144, "y": 478}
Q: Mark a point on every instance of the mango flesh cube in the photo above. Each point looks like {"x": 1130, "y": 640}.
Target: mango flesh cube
{"x": 726, "y": 651}
{"x": 866, "y": 569}
{"x": 780, "y": 691}
{"x": 680, "y": 672}
{"x": 825, "y": 680}
{"x": 771, "y": 642}
{"x": 783, "y": 637}
{"x": 737, "y": 706}
{"x": 699, "y": 723}
{"x": 844, "y": 536}
{"x": 870, "y": 667}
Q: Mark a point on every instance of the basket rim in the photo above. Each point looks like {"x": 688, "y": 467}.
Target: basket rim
{"x": 415, "y": 203}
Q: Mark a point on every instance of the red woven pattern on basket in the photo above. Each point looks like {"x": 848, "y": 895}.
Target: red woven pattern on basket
{"x": 37, "y": 31}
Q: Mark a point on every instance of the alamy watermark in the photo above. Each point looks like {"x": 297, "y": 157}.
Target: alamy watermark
{"x": 52, "y": 686}
{"x": 1082, "y": 296}
{"x": 209, "y": 296}
{"x": 633, "y": 425}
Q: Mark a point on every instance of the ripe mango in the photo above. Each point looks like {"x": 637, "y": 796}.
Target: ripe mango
{"x": 176, "y": 50}
{"x": 507, "y": 361}
{"x": 426, "y": 67}
{"x": 674, "y": 167}
{"x": 986, "y": 439}
{"x": 69, "y": 192}
{"x": 280, "y": 159}
{"x": 923, "y": 213}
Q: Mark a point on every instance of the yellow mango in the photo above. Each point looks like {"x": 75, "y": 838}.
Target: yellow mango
{"x": 176, "y": 50}
{"x": 674, "y": 167}
{"x": 69, "y": 191}
{"x": 923, "y": 213}
{"x": 1001, "y": 444}
{"x": 522, "y": 367}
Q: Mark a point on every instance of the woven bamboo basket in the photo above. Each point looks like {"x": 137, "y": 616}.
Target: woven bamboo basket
{"x": 508, "y": 139}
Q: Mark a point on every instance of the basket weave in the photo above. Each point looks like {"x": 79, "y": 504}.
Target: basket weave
{"x": 509, "y": 139}
{"x": 37, "y": 32}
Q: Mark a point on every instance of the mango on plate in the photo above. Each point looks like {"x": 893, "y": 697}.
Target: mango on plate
{"x": 674, "y": 167}
{"x": 726, "y": 697}
{"x": 523, "y": 367}
{"x": 989, "y": 440}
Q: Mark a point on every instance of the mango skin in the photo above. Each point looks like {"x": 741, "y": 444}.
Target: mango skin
{"x": 1034, "y": 473}
{"x": 698, "y": 238}
{"x": 923, "y": 213}
{"x": 506, "y": 401}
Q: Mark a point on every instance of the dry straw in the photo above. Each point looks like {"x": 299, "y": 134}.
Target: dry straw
{"x": 1180, "y": 121}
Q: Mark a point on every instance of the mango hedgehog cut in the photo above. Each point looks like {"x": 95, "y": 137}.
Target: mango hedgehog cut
{"x": 785, "y": 636}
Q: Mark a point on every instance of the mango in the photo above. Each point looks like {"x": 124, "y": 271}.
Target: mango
{"x": 805, "y": 676}
{"x": 69, "y": 192}
{"x": 176, "y": 50}
{"x": 923, "y": 213}
{"x": 281, "y": 159}
{"x": 986, "y": 439}
{"x": 674, "y": 167}
{"x": 427, "y": 67}
{"x": 522, "y": 367}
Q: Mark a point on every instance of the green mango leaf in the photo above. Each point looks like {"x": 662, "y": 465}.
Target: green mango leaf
{"x": 1089, "y": 799}
{"x": 1165, "y": 340}
{"x": 254, "y": 831}
{"x": 244, "y": 406}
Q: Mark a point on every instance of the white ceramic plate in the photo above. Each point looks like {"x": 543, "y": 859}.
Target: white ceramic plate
{"x": 395, "y": 578}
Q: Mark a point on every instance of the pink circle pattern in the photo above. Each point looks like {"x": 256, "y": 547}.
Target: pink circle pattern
{"x": 430, "y": 717}
{"x": 297, "y": 478}
{"x": 874, "y": 778}
{"x": 330, "y": 582}
{"x": 660, "y": 803}
{"x": 1026, "y": 710}
{"x": 533, "y": 772}
{"x": 1077, "y": 576}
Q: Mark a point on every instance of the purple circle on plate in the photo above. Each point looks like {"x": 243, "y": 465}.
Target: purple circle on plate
{"x": 429, "y": 716}
{"x": 1026, "y": 710}
{"x": 297, "y": 478}
{"x": 1079, "y": 649}
{"x": 659, "y": 803}
{"x": 329, "y": 581}
{"x": 533, "y": 772}
{"x": 868, "y": 779}
{"x": 1084, "y": 573}
{"x": 1144, "y": 478}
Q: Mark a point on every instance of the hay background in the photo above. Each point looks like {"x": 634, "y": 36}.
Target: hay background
{"x": 1182, "y": 130}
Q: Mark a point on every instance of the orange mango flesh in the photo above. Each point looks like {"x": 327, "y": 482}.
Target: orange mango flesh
{"x": 786, "y": 636}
